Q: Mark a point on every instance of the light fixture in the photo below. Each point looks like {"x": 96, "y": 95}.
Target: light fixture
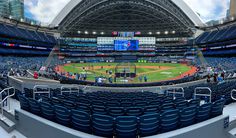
{"x": 150, "y": 33}
{"x": 22, "y": 20}
{"x": 86, "y": 32}
{"x": 79, "y": 32}
{"x": 102, "y": 33}
{"x": 232, "y": 18}
{"x": 173, "y": 32}
{"x": 158, "y": 33}
{"x": 166, "y": 32}
{"x": 94, "y": 33}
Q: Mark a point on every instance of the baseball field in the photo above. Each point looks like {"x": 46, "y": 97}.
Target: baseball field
{"x": 155, "y": 72}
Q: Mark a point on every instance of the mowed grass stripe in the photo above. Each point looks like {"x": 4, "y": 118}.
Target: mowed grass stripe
{"x": 157, "y": 75}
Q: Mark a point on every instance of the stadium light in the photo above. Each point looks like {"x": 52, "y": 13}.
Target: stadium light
{"x": 94, "y": 33}
{"x": 86, "y": 32}
{"x": 173, "y": 32}
{"x": 232, "y": 18}
{"x": 102, "y": 33}
{"x": 10, "y": 17}
{"x": 79, "y": 32}
{"x": 221, "y": 21}
{"x": 158, "y": 33}
{"x": 150, "y": 33}
{"x": 166, "y": 32}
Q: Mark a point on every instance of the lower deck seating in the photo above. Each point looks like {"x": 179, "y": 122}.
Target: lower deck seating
{"x": 147, "y": 114}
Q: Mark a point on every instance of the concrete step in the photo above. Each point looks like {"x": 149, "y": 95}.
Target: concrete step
{"x": 232, "y": 133}
{"x": 7, "y": 124}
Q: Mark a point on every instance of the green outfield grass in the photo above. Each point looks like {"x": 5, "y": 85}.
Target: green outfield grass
{"x": 151, "y": 70}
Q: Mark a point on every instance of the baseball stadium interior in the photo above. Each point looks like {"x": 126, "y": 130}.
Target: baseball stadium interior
{"x": 117, "y": 69}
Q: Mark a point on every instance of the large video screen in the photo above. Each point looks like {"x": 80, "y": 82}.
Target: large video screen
{"x": 126, "y": 45}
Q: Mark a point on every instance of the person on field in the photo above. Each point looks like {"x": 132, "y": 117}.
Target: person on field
{"x": 145, "y": 78}
{"x": 140, "y": 78}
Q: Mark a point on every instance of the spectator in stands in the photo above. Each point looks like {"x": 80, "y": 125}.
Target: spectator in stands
{"x": 215, "y": 77}
{"x": 220, "y": 79}
{"x": 223, "y": 75}
{"x": 36, "y": 75}
{"x": 208, "y": 78}
{"x": 11, "y": 73}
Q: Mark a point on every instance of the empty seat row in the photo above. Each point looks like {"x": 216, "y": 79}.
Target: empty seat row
{"x": 121, "y": 125}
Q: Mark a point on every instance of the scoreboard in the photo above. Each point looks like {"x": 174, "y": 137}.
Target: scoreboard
{"x": 126, "y": 45}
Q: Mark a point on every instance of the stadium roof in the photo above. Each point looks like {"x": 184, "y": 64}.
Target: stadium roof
{"x": 145, "y": 16}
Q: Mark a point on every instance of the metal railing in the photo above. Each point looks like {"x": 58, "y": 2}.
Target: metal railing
{"x": 203, "y": 94}
{"x": 8, "y": 95}
{"x": 69, "y": 89}
{"x": 232, "y": 94}
{"x": 175, "y": 91}
{"x": 45, "y": 89}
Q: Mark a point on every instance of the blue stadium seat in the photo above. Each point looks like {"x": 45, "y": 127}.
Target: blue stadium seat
{"x": 103, "y": 125}
{"x": 24, "y": 103}
{"x": 169, "y": 120}
{"x": 194, "y": 102}
{"x": 126, "y": 104}
{"x": 62, "y": 115}
{"x": 134, "y": 111}
{"x": 34, "y": 106}
{"x": 151, "y": 109}
{"x": 56, "y": 101}
{"x": 149, "y": 124}
{"x": 167, "y": 106}
{"x": 112, "y": 104}
{"x": 126, "y": 126}
{"x": 204, "y": 112}
{"x": 97, "y": 102}
{"x": 99, "y": 110}
{"x": 181, "y": 105}
{"x": 47, "y": 110}
{"x": 80, "y": 121}
{"x": 140, "y": 104}
{"x": 188, "y": 116}
{"x": 83, "y": 107}
{"x": 116, "y": 111}
{"x": 72, "y": 97}
{"x": 69, "y": 104}
{"x": 61, "y": 97}
{"x": 179, "y": 99}
{"x": 155, "y": 102}
{"x": 217, "y": 107}
{"x": 83, "y": 100}
{"x": 167, "y": 100}
{"x": 46, "y": 99}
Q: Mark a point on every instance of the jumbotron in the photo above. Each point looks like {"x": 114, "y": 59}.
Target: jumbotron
{"x": 117, "y": 69}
